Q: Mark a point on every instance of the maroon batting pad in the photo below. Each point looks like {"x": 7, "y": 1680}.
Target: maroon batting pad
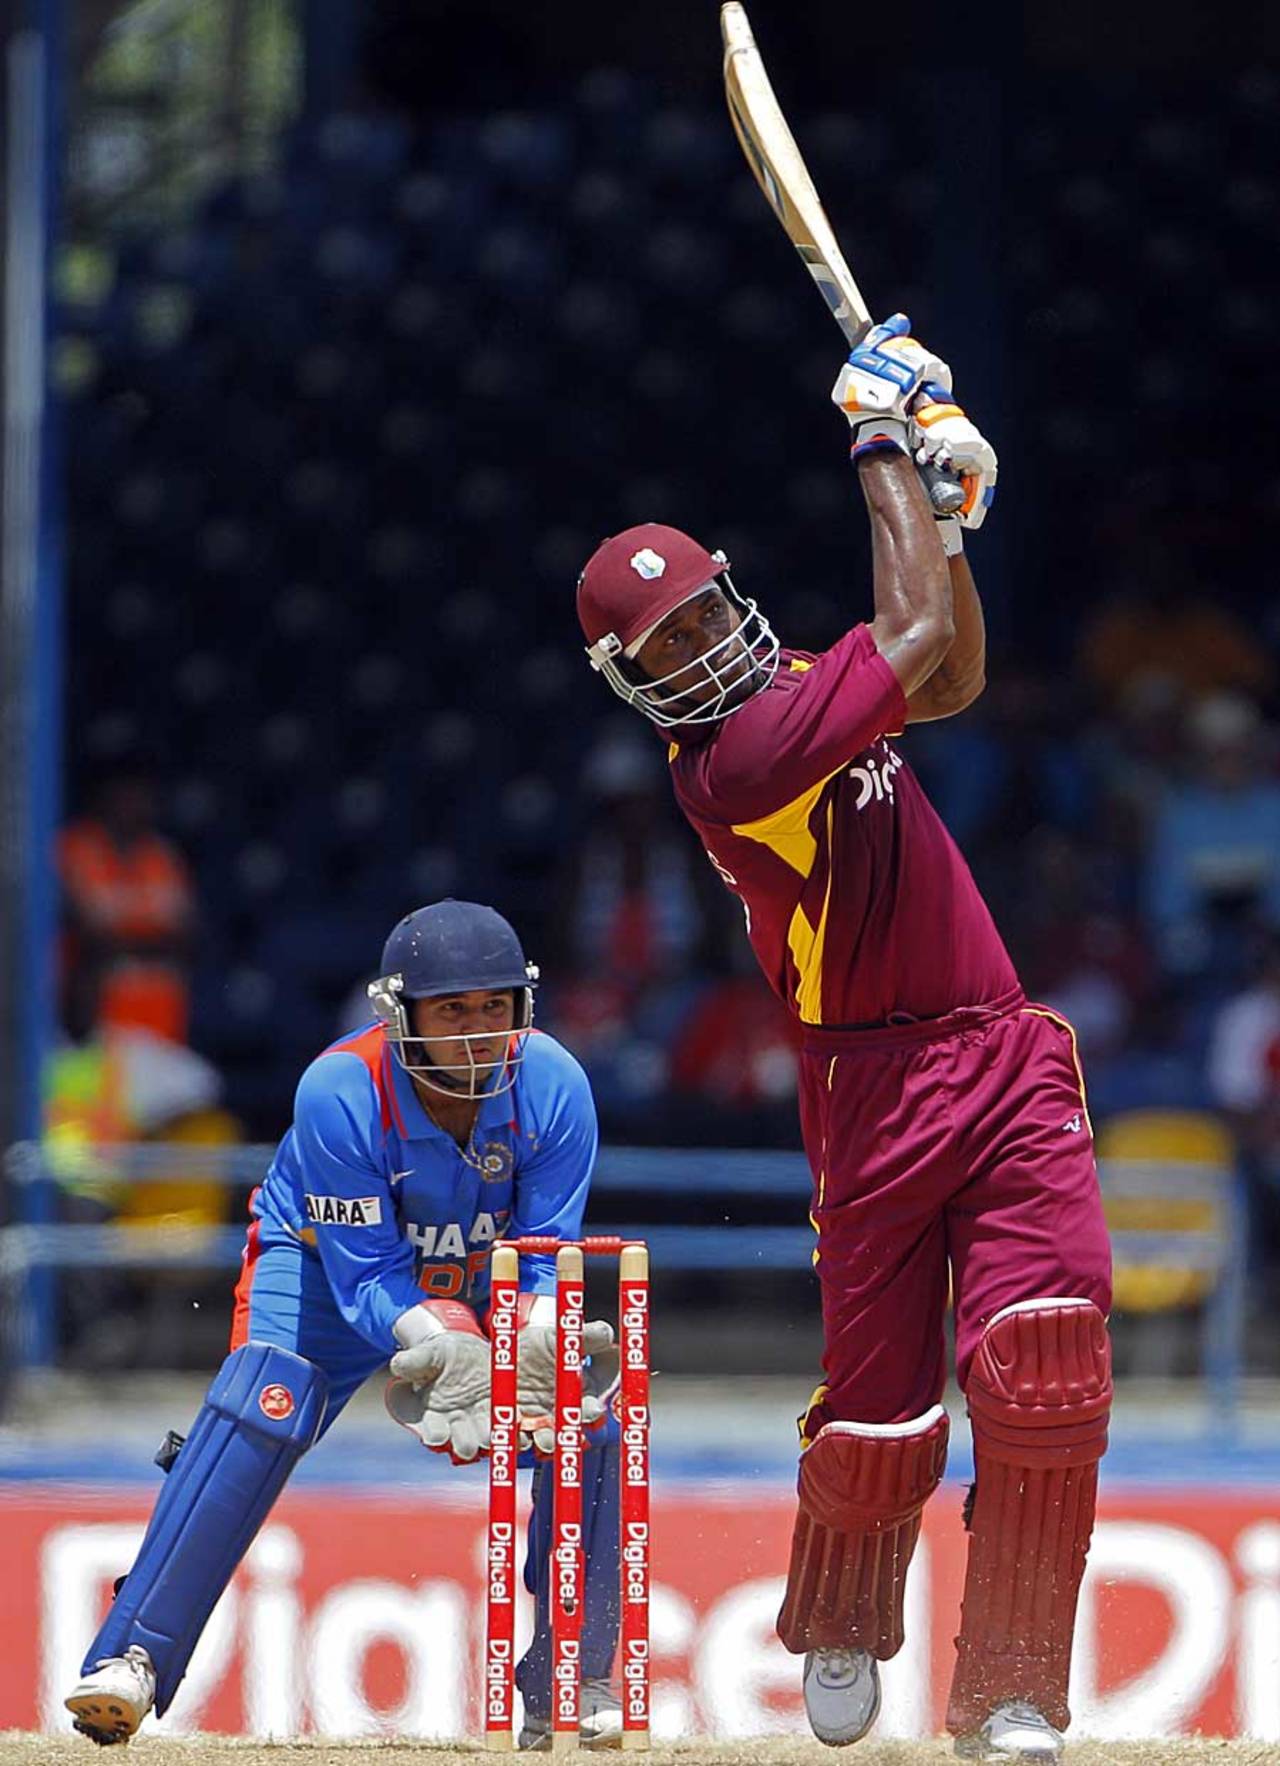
{"x": 1039, "y": 1395}
{"x": 861, "y": 1492}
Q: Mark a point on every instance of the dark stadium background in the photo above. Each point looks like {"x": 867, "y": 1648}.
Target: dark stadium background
{"x": 367, "y": 322}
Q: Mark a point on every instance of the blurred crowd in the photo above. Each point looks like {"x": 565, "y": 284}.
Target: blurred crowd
{"x": 1125, "y": 828}
{"x": 337, "y": 448}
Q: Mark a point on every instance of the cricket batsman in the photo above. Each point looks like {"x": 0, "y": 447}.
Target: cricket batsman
{"x": 943, "y": 1114}
{"x": 417, "y": 1141}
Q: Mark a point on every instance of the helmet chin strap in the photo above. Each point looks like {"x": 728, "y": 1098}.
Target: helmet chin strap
{"x": 456, "y": 1081}
{"x": 440, "y": 1080}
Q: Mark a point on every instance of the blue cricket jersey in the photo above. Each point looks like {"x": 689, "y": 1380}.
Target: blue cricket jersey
{"x": 394, "y": 1209}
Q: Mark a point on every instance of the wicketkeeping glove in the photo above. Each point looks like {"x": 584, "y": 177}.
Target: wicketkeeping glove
{"x": 536, "y": 1380}
{"x": 440, "y": 1384}
{"x": 875, "y": 387}
{"x": 942, "y": 436}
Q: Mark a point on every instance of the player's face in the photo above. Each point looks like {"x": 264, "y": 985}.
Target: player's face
{"x": 465, "y": 1033}
{"x": 672, "y": 653}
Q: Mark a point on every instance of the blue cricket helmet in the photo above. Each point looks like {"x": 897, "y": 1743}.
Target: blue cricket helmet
{"x": 445, "y": 948}
{"x": 453, "y": 947}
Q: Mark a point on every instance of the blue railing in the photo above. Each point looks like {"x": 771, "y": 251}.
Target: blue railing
{"x": 35, "y": 1250}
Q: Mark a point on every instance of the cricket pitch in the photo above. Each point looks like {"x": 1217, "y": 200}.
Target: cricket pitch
{"x": 18, "y": 1749}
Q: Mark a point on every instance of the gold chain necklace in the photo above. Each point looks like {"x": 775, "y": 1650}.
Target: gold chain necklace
{"x": 470, "y": 1156}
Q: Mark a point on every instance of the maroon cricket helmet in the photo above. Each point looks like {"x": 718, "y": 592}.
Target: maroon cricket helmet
{"x": 630, "y": 584}
{"x": 637, "y": 577}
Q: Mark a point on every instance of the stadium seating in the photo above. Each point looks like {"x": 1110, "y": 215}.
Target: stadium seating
{"x": 338, "y": 444}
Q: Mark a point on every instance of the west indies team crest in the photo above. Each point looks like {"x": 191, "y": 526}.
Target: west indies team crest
{"x": 648, "y": 563}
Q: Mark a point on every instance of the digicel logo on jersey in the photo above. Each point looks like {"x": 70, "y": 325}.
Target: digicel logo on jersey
{"x": 874, "y": 778}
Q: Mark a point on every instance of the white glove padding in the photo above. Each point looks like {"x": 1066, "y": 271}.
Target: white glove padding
{"x": 942, "y": 436}
{"x": 441, "y": 1392}
{"x": 883, "y": 374}
{"x": 536, "y": 1380}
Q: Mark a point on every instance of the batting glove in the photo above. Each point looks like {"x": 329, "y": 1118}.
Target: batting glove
{"x": 440, "y": 1384}
{"x": 875, "y": 387}
{"x": 940, "y": 435}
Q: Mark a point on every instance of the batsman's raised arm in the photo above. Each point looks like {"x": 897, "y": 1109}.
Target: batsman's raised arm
{"x": 928, "y": 622}
{"x": 914, "y": 623}
{"x": 943, "y": 437}
{"x": 961, "y": 675}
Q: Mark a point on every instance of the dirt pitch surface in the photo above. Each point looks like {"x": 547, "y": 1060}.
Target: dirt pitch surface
{"x": 17, "y": 1749}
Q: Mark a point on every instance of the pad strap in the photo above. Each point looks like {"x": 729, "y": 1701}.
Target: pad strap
{"x": 862, "y": 1488}
{"x": 1039, "y": 1394}
{"x": 262, "y": 1412}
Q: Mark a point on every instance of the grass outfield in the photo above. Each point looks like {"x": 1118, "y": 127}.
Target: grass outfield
{"x": 18, "y": 1749}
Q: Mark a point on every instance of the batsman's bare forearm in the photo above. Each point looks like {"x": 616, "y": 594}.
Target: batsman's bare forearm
{"x": 961, "y": 675}
{"x": 914, "y": 624}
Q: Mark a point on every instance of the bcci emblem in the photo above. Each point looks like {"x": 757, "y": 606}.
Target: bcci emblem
{"x": 496, "y": 1162}
{"x": 648, "y": 563}
{"x": 276, "y": 1402}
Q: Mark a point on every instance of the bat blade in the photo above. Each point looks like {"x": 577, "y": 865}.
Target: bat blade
{"x": 780, "y": 171}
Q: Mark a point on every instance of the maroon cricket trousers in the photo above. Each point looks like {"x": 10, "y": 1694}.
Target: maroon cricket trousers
{"x": 951, "y": 1157}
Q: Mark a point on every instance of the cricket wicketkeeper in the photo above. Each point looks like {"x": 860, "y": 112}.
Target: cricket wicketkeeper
{"x": 943, "y": 1114}
{"x": 417, "y": 1141}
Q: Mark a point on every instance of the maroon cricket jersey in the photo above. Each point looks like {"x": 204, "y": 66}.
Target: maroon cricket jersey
{"x": 858, "y": 903}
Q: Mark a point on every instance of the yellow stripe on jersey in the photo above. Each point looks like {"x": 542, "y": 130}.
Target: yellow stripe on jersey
{"x": 799, "y": 665}
{"x": 785, "y": 831}
{"x": 806, "y": 944}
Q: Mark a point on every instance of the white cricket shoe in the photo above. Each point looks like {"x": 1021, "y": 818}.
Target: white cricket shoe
{"x": 109, "y": 1704}
{"x": 1013, "y": 1731}
{"x": 841, "y": 1694}
{"x": 599, "y": 1720}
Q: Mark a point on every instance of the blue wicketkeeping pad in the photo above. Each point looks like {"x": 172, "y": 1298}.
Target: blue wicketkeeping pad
{"x": 259, "y": 1417}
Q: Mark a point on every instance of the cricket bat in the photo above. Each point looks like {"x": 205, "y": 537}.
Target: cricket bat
{"x": 781, "y": 173}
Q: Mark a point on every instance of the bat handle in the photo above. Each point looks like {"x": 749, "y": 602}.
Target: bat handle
{"x": 945, "y": 490}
